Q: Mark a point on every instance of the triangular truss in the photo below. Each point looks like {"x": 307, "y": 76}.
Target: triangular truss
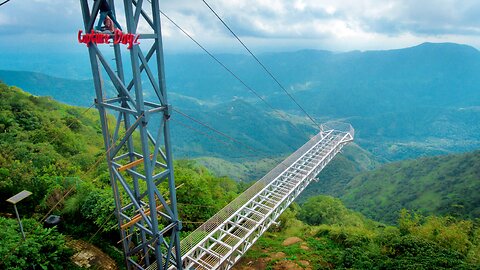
{"x": 222, "y": 240}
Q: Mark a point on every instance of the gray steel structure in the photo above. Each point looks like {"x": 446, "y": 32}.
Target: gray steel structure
{"x": 141, "y": 109}
{"x": 150, "y": 239}
{"x": 222, "y": 240}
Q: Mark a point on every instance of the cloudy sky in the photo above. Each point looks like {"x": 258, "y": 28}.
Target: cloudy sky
{"x": 264, "y": 25}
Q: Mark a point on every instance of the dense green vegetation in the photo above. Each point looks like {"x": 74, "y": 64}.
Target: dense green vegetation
{"x": 45, "y": 147}
{"x": 56, "y": 152}
{"x": 343, "y": 239}
{"x": 43, "y": 248}
{"x": 444, "y": 185}
{"x": 49, "y": 149}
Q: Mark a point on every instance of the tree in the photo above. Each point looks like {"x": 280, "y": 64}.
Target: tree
{"x": 323, "y": 210}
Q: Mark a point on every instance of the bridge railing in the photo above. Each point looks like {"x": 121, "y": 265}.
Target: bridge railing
{"x": 340, "y": 127}
{"x": 199, "y": 234}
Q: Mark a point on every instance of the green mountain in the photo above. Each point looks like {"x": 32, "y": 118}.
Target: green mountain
{"x": 443, "y": 185}
{"x": 43, "y": 142}
{"x": 254, "y": 132}
{"x": 405, "y": 103}
{"x": 70, "y": 91}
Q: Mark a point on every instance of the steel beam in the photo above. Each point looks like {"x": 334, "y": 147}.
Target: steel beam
{"x": 257, "y": 214}
{"x": 135, "y": 173}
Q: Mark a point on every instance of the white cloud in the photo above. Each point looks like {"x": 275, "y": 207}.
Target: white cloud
{"x": 276, "y": 24}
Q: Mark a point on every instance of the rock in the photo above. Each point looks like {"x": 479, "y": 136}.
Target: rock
{"x": 287, "y": 265}
{"x": 278, "y": 256}
{"x": 291, "y": 240}
{"x": 304, "y": 246}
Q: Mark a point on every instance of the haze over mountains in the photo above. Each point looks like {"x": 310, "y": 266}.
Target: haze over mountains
{"x": 403, "y": 103}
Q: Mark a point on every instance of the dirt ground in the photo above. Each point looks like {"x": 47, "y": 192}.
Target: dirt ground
{"x": 90, "y": 257}
{"x": 280, "y": 263}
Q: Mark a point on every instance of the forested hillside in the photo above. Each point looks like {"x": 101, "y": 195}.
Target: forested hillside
{"x": 56, "y": 152}
{"x": 44, "y": 144}
{"x": 404, "y": 103}
{"x": 324, "y": 234}
{"x": 441, "y": 185}
{"x": 444, "y": 185}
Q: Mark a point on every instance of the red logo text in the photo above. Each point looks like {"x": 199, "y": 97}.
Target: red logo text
{"x": 118, "y": 37}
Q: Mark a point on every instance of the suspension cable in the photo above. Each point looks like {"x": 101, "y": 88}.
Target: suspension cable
{"x": 262, "y": 65}
{"x": 4, "y": 2}
{"x": 233, "y": 74}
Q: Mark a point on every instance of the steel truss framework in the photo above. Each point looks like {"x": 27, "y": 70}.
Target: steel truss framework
{"x": 222, "y": 240}
{"x": 222, "y": 246}
{"x": 148, "y": 219}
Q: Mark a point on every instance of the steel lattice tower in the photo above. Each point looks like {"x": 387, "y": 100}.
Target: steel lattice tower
{"x": 140, "y": 109}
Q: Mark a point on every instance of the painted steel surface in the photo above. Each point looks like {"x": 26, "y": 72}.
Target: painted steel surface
{"x": 140, "y": 107}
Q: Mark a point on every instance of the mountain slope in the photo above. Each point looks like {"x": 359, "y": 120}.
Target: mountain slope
{"x": 254, "y": 132}
{"x": 73, "y": 92}
{"x": 405, "y": 103}
{"x": 443, "y": 185}
{"x": 46, "y": 148}
{"x": 347, "y": 240}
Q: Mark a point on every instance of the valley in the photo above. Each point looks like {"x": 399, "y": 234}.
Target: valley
{"x": 412, "y": 171}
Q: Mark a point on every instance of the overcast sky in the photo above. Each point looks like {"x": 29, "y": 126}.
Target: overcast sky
{"x": 264, "y": 25}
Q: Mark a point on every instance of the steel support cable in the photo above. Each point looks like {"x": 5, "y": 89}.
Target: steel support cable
{"x": 262, "y": 65}
{"x": 233, "y": 74}
{"x": 251, "y": 149}
{"x": 3, "y": 3}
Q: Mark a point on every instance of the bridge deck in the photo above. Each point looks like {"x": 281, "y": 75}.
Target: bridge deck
{"x": 224, "y": 238}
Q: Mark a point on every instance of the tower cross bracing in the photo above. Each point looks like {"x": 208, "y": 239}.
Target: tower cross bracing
{"x": 139, "y": 158}
{"x": 131, "y": 98}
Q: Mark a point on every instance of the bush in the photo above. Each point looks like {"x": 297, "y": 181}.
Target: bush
{"x": 327, "y": 210}
{"x": 42, "y": 248}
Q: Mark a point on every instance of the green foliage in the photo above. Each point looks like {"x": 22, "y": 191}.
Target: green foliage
{"x": 41, "y": 144}
{"x": 444, "y": 231}
{"x": 200, "y": 194}
{"x": 327, "y": 210}
{"x": 412, "y": 252}
{"x": 444, "y": 185}
{"x": 419, "y": 242}
{"x": 42, "y": 248}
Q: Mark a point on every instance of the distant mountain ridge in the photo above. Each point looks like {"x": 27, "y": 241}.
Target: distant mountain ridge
{"x": 70, "y": 91}
{"x": 403, "y": 103}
